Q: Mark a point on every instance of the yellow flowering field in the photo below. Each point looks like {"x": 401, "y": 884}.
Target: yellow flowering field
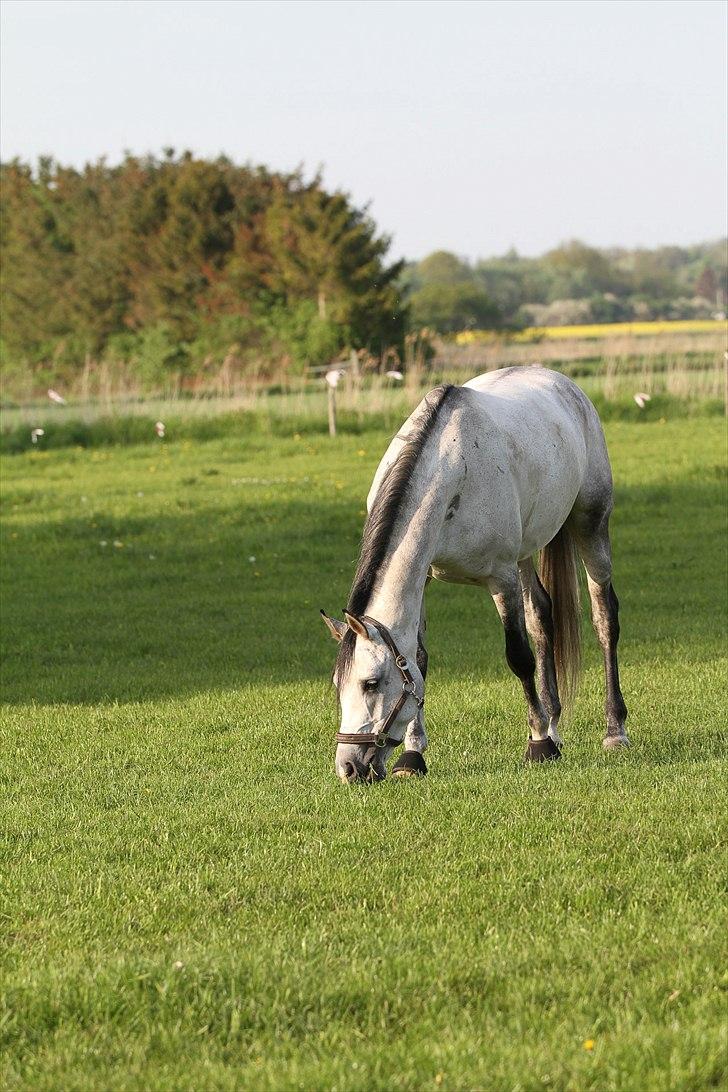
{"x": 600, "y": 330}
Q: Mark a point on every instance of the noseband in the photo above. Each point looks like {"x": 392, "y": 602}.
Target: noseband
{"x": 382, "y": 738}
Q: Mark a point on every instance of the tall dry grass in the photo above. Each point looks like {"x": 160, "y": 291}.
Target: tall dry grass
{"x": 689, "y": 367}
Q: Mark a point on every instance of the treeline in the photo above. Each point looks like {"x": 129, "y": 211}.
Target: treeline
{"x": 177, "y": 266}
{"x": 169, "y": 271}
{"x": 574, "y": 283}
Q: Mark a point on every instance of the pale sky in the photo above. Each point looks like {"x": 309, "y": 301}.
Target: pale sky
{"x": 469, "y": 126}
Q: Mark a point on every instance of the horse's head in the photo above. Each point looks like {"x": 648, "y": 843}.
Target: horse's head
{"x": 380, "y": 694}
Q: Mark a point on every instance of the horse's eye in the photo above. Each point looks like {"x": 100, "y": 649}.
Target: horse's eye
{"x": 370, "y": 684}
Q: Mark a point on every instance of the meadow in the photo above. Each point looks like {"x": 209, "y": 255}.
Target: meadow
{"x": 189, "y": 897}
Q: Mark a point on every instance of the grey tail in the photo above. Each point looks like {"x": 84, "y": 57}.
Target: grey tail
{"x": 559, "y": 575}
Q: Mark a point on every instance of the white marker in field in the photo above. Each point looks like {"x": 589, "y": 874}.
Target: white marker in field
{"x": 160, "y": 429}
{"x": 332, "y": 378}
{"x": 395, "y": 375}
{"x": 56, "y": 397}
{"x": 641, "y": 398}
{"x": 35, "y": 433}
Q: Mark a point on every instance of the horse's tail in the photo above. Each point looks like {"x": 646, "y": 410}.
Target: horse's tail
{"x": 559, "y": 575}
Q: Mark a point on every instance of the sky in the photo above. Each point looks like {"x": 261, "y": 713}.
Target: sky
{"x": 465, "y": 125}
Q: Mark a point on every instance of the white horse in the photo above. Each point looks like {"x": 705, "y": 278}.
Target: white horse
{"x": 478, "y": 480}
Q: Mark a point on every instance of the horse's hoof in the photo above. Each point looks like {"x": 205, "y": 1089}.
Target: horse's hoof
{"x": 541, "y": 750}
{"x": 409, "y": 764}
{"x": 616, "y": 743}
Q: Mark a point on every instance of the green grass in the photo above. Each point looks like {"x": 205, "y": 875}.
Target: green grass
{"x": 189, "y": 898}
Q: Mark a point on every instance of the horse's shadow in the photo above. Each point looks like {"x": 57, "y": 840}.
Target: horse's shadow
{"x": 180, "y": 609}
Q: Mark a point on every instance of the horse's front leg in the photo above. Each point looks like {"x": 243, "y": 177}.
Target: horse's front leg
{"x": 508, "y": 598}
{"x": 411, "y": 762}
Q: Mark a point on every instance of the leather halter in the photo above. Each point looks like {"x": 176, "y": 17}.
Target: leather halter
{"x": 382, "y": 738}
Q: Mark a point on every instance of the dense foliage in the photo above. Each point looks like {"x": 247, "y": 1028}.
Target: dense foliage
{"x": 571, "y": 284}
{"x": 163, "y": 272}
{"x": 177, "y": 264}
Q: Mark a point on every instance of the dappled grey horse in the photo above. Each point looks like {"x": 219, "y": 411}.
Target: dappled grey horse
{"x": 480, "y": 479}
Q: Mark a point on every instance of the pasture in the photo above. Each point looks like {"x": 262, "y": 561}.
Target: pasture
{"x": 191, "y": 900}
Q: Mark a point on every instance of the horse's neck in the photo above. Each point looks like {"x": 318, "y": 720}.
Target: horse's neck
{"x": 400, "y": 586}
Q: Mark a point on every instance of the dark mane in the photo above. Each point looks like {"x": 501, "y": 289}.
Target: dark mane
{"x": 381, "y": 519}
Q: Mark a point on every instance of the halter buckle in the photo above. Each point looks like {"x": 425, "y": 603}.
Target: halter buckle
{"x": 401, "y": 661}
{"x": 381, "y": 740}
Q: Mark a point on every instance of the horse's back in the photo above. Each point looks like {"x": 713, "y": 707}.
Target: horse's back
{"x": 551, "y": 430}
{"x": 517, "y": 396}
{"x": 530, "y": 444}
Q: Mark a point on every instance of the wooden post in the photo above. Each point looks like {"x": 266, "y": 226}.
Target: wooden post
{"x": 332, "y": 410}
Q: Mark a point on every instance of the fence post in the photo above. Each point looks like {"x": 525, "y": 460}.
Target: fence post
{"x": 332, "y": 410}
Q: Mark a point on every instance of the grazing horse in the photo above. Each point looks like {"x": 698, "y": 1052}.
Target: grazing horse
{"x": 480, "y": 479}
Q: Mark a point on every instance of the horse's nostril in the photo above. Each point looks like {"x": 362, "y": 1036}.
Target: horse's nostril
{"x": 350, "y": 771}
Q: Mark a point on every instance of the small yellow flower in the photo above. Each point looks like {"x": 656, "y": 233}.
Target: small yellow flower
{"x": 361, "y": 451}
{"x": 588, "y": 1044}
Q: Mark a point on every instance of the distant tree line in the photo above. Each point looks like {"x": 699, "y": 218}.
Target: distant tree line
{"x": 574, "y": 283}
{"x": 174, "y": 265}
{"x": 176, "y": 269}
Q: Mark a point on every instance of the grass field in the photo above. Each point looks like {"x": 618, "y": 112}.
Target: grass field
{"x": 189, "y": 898}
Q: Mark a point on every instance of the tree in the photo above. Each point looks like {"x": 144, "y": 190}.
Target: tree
{"x": 706, "y": 286}
{"x": 159, "y": 259}
{"x": 37, "y": 262}
{"x": 448, "y": 308}
{"x": 578, "y": 271}
{"x": 442, "y": 267}
{"x": 324, "y": 250}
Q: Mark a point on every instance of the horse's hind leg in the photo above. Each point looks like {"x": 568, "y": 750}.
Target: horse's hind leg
{"x": 591, "y": 531}
{"x": 540, "y": 626}
{"x": 508, "y": 598}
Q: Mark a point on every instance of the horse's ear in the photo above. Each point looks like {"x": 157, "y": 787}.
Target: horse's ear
{"x": 336, "y": 628}
{"x": 360, "y": 628}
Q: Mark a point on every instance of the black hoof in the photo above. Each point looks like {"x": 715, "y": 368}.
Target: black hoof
{"x": 541, "y": 750}
{"x": 409, "y": 764}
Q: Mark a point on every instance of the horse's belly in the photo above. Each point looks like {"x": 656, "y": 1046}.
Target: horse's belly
{"x": 499, "y": 518}
{"x": 483, "y": 533}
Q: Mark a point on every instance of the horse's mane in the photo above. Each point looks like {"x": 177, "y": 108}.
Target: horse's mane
{"x": 380, "y": 521}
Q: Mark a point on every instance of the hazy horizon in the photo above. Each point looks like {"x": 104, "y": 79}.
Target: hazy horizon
{"x": 469, "y": 127}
